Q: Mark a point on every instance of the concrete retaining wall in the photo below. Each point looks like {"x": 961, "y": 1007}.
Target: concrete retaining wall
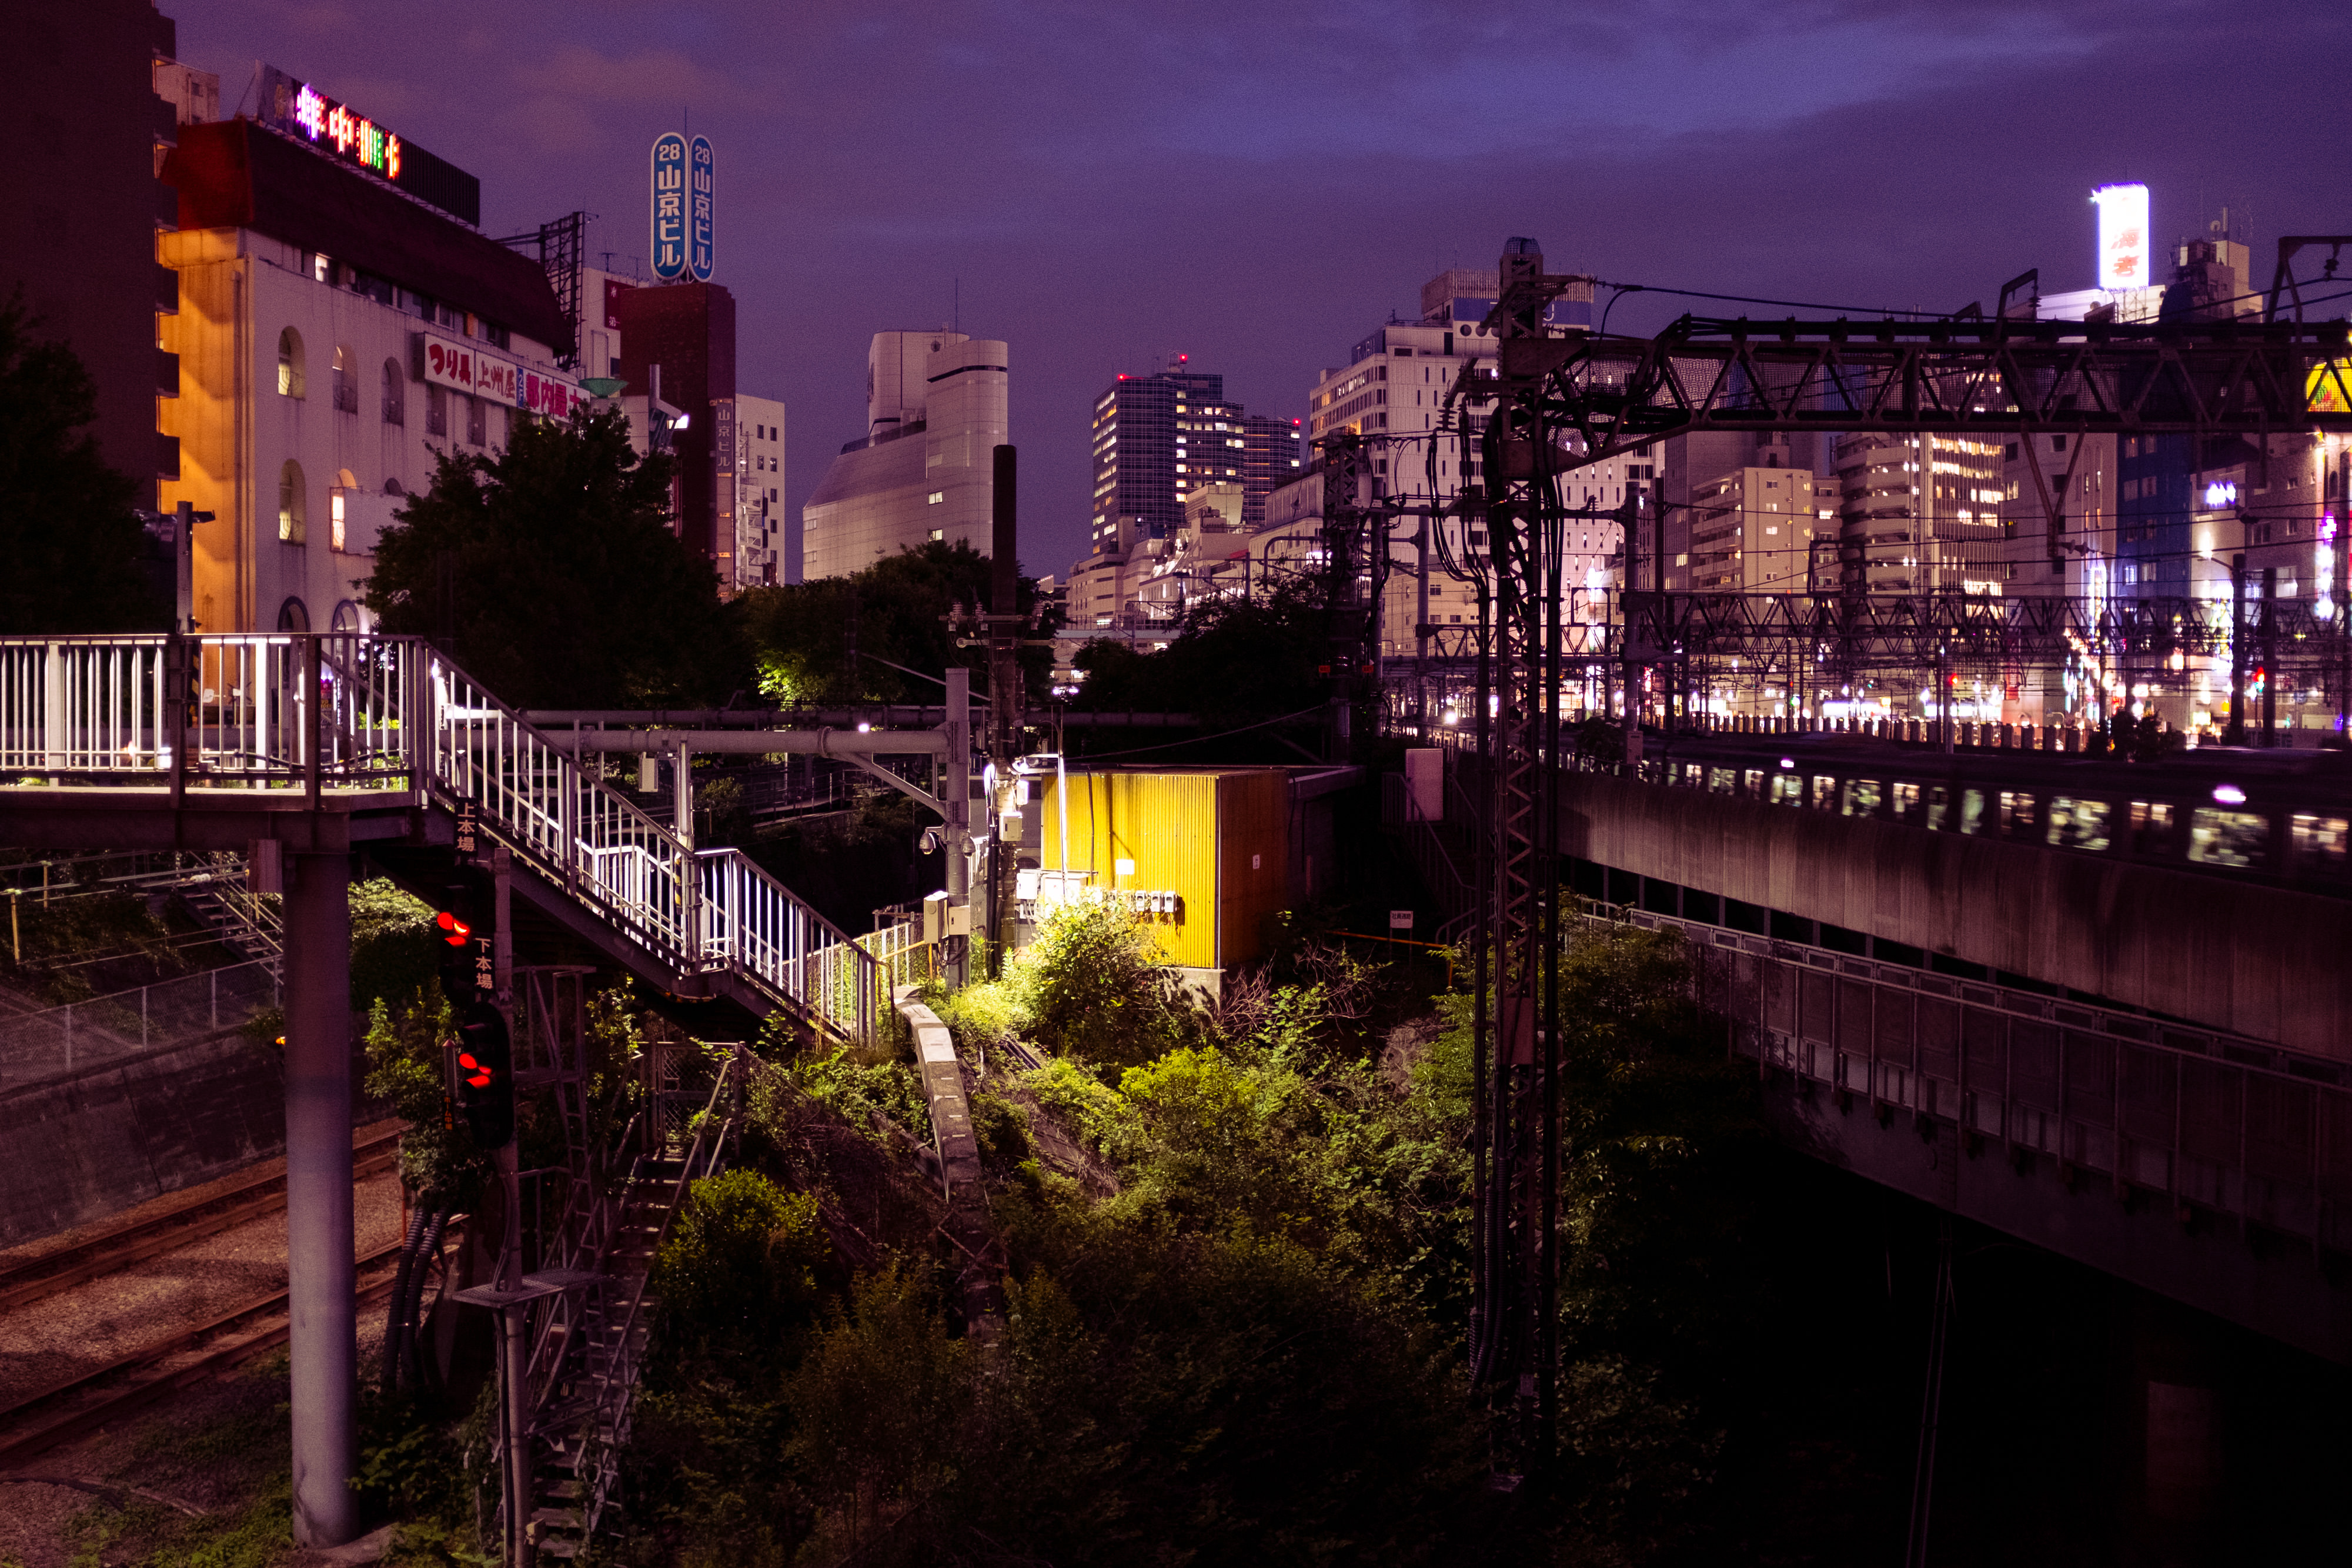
{"x": 79, "y": 1147}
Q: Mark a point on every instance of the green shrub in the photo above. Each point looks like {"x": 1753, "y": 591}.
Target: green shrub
{"x": 1094, "y": 1114}
{"x": 856, "y": 1093}
{"x": 1099, "y": 987}
{"x": 741, "y": 1259}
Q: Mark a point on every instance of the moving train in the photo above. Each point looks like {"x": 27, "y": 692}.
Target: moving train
{"x": 2278, "y": 817}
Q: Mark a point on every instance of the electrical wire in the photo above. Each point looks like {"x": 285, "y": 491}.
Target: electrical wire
{"x": 1218, "y": 734}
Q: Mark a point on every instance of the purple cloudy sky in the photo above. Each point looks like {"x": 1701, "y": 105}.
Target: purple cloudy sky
{"x": 1259, "y": 184}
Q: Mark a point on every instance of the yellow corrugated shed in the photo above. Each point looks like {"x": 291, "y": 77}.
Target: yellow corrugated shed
{"x": 1216, "y": 838}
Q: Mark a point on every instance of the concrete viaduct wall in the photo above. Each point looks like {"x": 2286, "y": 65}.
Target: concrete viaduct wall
{"x": 2248, "y": 959}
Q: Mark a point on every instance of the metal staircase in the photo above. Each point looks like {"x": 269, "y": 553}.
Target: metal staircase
{"x": 590, "y": 1335}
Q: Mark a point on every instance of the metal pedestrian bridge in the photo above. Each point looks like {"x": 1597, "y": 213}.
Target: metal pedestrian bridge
{"x": 303, "y": 749}
{"x": 344, "y": 739}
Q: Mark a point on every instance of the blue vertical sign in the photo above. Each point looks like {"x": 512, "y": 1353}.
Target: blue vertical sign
{"x": 670, "y": 207}
{"x": 698, "y": 221}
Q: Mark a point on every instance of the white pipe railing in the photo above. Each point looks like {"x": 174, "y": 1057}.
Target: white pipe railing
{"x": 347, "y": 711}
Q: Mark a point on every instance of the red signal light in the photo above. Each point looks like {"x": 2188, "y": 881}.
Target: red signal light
{"x": 457, "y": 932}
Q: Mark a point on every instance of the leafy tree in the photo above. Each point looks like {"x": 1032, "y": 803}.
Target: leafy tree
{"x": 550, "y": 567}
{"x": 1235, "y": 663}
{"x": 740, "y": 1264}
{"x": 72, "y": 550}
{"x": 899, "y": 608}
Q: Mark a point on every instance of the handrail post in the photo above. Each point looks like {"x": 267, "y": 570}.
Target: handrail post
{"x": 174, "y": 716}
{"x": 312, "y": 767}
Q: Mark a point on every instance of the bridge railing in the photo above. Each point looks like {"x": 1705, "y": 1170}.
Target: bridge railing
{"x": 700, "y": 911}
{"x": 358, "y": 710}
{"x": 2211, "y": 1122}
{"x": 277, "y": 709}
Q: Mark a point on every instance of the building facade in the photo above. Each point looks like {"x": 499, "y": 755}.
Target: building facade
{"x": 332, "y": 335}
{"x": 937, "y": 406}
{"x": 94, "y": 106}
{"x": 676, "y": 342}
{"x": 1764, "y": 530}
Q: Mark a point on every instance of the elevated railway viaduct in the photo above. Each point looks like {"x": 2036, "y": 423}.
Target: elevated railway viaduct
{"x": 2099, "y": 1007}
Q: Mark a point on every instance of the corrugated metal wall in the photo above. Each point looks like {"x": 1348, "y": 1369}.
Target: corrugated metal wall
{"x": 1193, "y": 834}
{"x": 1253, "y": 860}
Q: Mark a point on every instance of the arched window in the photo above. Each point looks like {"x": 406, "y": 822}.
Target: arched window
{"x": 395, "y": 393}
{"x": 346, "y": 617}
{"x": 347, "y": 384}
{"x": 292, "y": 616}
{"x": 339, "y": 500}
{"x": 291, "y": 504}
{"x": 392, "y": 487}
{"x": 290, "y": 363}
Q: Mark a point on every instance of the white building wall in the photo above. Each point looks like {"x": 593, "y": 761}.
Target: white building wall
{"x": 899, "y": 492}
{"x": 239, "y": 291}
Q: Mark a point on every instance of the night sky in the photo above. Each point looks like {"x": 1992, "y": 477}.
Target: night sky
{"x": 1258, "y": 185}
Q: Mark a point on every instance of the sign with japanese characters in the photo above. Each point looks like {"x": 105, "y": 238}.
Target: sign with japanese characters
{"x": 698, "y": 209}
{"x": 2122, "y": 236}
{"x": 670, "y": 207}
{"x": 466, "y": 367}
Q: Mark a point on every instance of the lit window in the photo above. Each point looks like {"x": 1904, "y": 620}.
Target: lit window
{"x": 2228, "y": 838}
{"x": 939, "y": 535}
{"x": 935, "y": 497}
{"x": 336, "y": 537}
{"x": 290, "y": 363}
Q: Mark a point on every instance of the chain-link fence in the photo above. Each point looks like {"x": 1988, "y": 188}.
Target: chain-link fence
{"x": 92, "y": 1033}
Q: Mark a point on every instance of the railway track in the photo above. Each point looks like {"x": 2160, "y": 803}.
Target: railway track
{"x": 81, "y": 1405}
{"x": 376, "y": 1149}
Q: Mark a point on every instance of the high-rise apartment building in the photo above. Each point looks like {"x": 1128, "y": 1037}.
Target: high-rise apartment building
{"x": 1764, "y": 530}
{"x": 1155, "y": 439}
{"x": 1271, "y": 458}
{"x": 1394, "y": 387}
{"x": 937, "y": 407}
{"x": 1922, "y": 512}
{"x": 678, "y": 341}
{"x": 1159, "y": 440}
{"x": 1696, "y": 465}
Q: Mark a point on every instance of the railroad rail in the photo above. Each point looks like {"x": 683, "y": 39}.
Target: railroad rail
{"x": 226, "y": 1342}
{"x": 374, "y": 1150}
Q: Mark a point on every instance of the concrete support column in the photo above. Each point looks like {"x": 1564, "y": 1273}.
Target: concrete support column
{"x": 323, "y": 1341}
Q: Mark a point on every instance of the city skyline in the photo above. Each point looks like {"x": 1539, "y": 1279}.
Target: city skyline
{"x": 1290, "y": 193}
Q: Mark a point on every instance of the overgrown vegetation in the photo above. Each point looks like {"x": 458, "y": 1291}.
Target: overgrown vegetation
{"x": 1246, "y": 1346}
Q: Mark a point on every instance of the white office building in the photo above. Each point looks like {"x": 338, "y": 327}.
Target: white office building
{"x": 935, "y": 411}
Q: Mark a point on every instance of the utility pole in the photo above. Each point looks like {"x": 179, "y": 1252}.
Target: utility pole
{"x": 1005, "y": 695}
{"x": 1347, "y": 509}
{"x": 2270, "y": 656}
{"x": 1421, "y": 630}
{"x": 2235, "y": 734}
{"x": 955, "y": 797}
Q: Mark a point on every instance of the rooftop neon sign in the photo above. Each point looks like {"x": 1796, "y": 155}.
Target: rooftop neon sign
{"x": 296, "y": 109}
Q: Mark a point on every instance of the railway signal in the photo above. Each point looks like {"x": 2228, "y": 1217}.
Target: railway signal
{"x": 485, "y": 1064}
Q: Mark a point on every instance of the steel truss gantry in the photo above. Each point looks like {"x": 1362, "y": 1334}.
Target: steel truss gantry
{"x": 1563, "y": 403}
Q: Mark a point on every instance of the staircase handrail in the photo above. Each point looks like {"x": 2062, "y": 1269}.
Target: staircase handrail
{"x": 698, "y": 910}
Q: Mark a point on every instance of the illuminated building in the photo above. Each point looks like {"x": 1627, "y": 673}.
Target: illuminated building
{"x": 1922, "y": 513}
{"x": 1764, "y": 530}
{"x": 937, "y": 407}
{"x": 336, "y": 329}
{"x": 1393, "y": 389}
{"x": 94, "y": 106}
{"x": 750, "y": 487}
